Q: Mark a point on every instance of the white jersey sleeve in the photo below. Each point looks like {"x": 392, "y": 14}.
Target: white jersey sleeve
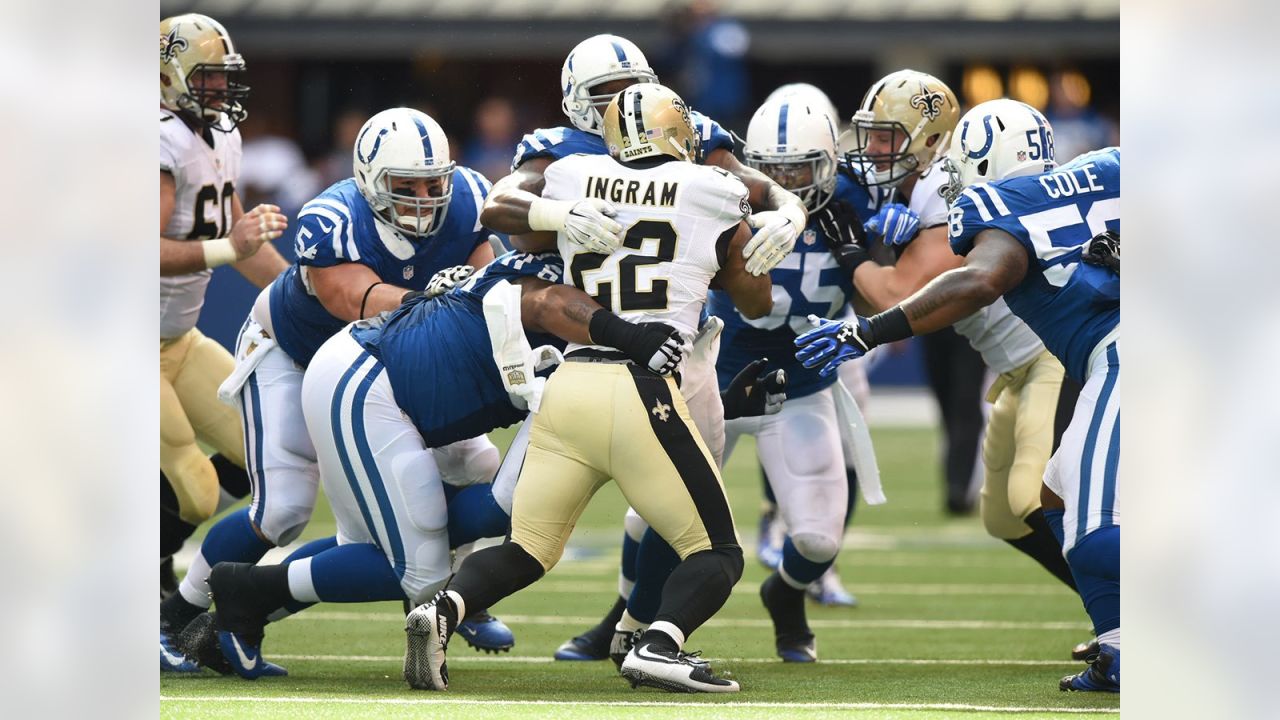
{"x": 926, "y": 197}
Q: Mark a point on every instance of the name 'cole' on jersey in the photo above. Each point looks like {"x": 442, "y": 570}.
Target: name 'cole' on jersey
{"x": 338, "y": 226}
{"x": 439, "y": 357}
{"x": 807, "y": 281}
{"x": 204, "y": 177}
{"x": 1071, "y": 305}
{"x": 673, "y": 216}
{"x": 561, "y": 142}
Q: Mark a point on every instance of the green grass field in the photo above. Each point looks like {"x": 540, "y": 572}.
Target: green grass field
{"x": 951, "y": 623}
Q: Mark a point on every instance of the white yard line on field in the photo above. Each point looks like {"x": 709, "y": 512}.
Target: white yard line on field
{"x": 214, "y": 700}
{"x": 466, "y": 657}
{"x": 908, "y": 624}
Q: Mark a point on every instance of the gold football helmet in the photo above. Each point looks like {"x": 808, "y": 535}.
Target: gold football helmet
{"x": 649, "y": 120}
{"x": 904, "y": 124}
{"x": 200, "y": 71}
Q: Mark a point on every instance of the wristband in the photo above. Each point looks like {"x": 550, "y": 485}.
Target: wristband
{"x": 365, "y": 299}
{"x": 548, "y": 214}
{"x": 889, "y": 326}
{"x": 218, "y": 252}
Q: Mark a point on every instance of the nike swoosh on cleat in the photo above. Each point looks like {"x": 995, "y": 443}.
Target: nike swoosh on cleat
{"x": 172, "y": 658}
{"x": 248, "y": 663}
{"x": 644, "y": 653}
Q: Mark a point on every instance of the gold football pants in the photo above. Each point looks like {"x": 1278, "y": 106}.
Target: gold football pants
{"x": 602, "y": 421}
{"x": 1018, "y": 443}
{"x": 191, "y": 368}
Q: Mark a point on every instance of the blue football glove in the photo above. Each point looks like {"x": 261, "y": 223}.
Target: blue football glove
{"x": 896, "y": 222}
{"x": 832, "y": 342}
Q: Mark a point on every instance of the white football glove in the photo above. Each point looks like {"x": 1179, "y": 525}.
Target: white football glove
{"x": 443, "y": 281}
{"x": 588, "y": 223}
{"x": 776, "y": 233}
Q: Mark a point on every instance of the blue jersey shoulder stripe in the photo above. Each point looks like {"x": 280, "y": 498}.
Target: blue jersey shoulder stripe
{"x": 476, "y": 182}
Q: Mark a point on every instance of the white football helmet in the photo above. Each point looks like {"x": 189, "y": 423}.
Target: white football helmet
{"x": 790, "y": 135}
{"x": 998, "y": 139}
{"x": 596, "y": 60}
{"x": 402, "y": 143}
{"x": 812, "y": 94}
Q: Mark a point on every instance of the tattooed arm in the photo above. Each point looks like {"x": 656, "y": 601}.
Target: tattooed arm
{"x": 995, "y": 266}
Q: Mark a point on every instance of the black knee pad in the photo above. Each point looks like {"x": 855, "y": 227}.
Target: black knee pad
{"x": 730, "y": 557}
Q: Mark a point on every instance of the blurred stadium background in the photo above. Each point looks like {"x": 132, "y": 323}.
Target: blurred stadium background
{"x": 489, "y": 72}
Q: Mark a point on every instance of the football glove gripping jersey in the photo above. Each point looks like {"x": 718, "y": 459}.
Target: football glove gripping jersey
{"x": 895, "y": 223}
{"x": 446, "y": 279}
{"x": 843, "y": 234}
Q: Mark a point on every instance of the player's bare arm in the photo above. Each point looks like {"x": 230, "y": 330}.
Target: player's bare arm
{"x": 995, "y": 266}
{"x": 249, "y": 232}
{"x": 927, "y": 257}
{"x": 752, "y": 294}
{"x": 351, "y": 291}
{"x": 573, "y": 315}
{"x": 507, "y": 207}
{"x": 515, "y": 206}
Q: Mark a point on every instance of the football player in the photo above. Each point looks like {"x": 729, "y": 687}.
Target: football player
{"x": 378, "y": 397}
{"x": 202, "y": 226}
{"x": 593, "y": 72}
{"x": 792, "y": 139}
{"x": 903, "y": 128}
{"x": 1046, "y": 239}
{"x": 604, "y": 417}
{"x": 406, "y": 223}
{"x": 827, "y": 590}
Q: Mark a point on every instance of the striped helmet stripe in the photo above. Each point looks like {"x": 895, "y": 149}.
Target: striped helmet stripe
{"x": 426, "y": 138}
{"x": 782, "y": 124}
{"x": 617, "y": 49}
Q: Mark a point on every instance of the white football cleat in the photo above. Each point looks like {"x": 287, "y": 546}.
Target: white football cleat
{"x": 427, "y": 629}
{"x": 673, "y": 671}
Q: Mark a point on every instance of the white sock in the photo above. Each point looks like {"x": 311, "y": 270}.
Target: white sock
{"x": 630, "y": 624}
{"x": 300, "y": 585}
{"x": 669, "y": 630}
{"x": 195, "y": 586}
{"x": 1110, "y": 637}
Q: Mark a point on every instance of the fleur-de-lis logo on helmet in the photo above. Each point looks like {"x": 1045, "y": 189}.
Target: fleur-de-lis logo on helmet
{"x": 171, "y": 44}
{"x": 928, "y": 102}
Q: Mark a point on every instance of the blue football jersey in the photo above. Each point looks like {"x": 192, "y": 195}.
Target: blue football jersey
{"x": 439, "y": 358}
{"x": 561, "y": 142}
{"x": 338, "y": 226}
{"x": 808, "y": 281}
{"x": 1071, "y": 305}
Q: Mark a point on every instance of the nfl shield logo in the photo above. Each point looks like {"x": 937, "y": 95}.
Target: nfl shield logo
{"x": 1022, "y": 155}
{"x": 810, "y": 237}
{"x": 408, "y": 272}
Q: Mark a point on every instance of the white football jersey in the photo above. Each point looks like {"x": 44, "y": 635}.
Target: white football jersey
{"x": 205, "y": 179}
{"x": 672, "y": 214}
{"x": 1003, "y": 340}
